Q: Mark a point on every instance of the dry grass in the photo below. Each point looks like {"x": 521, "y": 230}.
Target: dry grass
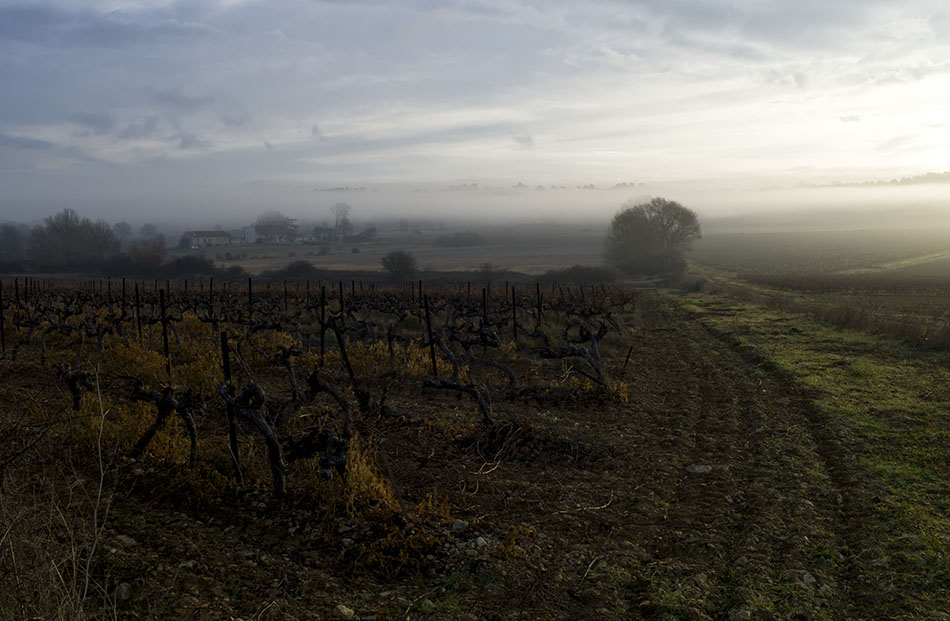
{"x": 48, "y": 552}
{"x": 51, "y": 524}
{"x": 903, "y": 316}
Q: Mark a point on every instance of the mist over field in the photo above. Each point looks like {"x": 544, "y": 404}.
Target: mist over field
{"x": 721, "y": 206}
{"x": 211, "y": 112}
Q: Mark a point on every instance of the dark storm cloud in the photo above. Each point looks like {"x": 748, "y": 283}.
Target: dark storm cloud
{"x": 98, "y": 122}
{"x": 188, "y": 140}
{"x": 50, "y": 25}
{"x": 32, "y": 23}
{"x": 76, "y": 154}
{"x": 136, "y": 131}
{"x": 23, "y": 142}
{"x": 236, "y": 120}
{"x": 174, "y": 98}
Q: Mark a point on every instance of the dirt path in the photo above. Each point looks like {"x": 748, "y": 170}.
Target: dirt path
{"x": 720, "y": 493}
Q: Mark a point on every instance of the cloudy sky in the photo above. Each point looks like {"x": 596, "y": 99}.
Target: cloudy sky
{"x": 197, "y": 105}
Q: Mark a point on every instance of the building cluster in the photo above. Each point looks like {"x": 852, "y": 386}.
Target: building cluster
{"x": 202, "y": 239}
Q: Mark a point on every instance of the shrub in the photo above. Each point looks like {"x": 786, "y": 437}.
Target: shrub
{"x": 400, "y": 265}
{"x": 298, "y": 270}
{"x": 190, "y": 265}
{"x": 235, "y": 272}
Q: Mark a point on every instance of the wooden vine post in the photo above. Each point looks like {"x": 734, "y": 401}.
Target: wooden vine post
{"x": 232, "y": 421}
{"x": 484, "y": 307}
{"x": 323, "y": 321}
{"x": 168, "y": 360}
{"x": 214, "y": 318}
{"x": 514, "y": 315}
{"x": 138, "y": 312}
{"x": 3, "y": 318}
{"x": 540, "y": 311}
{"x": 435, "y": 368}
{"x": 250, "y": 301}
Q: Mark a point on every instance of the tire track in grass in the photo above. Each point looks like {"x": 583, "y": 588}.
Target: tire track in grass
{"x": 862, "y": 411}
{"x": 756, "y": 516}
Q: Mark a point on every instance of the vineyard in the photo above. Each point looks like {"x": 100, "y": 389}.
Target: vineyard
{"x": 338, "y": 450}
{"x": 175, "y": 350}
{"x": 279, "y": 398}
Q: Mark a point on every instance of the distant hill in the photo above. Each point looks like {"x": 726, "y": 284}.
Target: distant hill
{"x": 926, "y": 178}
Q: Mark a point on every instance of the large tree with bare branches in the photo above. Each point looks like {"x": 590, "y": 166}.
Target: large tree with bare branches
{"x": 652, "y": 237}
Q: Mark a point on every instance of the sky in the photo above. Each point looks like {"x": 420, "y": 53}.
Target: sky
{"x": 207, "y": 109}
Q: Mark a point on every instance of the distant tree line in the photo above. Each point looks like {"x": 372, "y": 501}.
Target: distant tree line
{"x": 64, "y": 242}
{"x": 68, "y": 243}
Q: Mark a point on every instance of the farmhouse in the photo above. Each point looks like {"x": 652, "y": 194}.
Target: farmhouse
{"x": 207, "y": 238}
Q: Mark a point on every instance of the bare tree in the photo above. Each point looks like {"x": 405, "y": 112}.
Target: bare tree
{"x": 341, "y": 213}
{"x": 650, "y": 238}
{"x": 148, "y": 230}
{"x": 101, "y": 242}
{"x": 400, "y": 265}
{"x": 275, "y": 226}
{"x": 122, "y": 229}
{"x": 148, "y": 254}
{"x": 56, "y": 244}
{"x": 66, "y": 241}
